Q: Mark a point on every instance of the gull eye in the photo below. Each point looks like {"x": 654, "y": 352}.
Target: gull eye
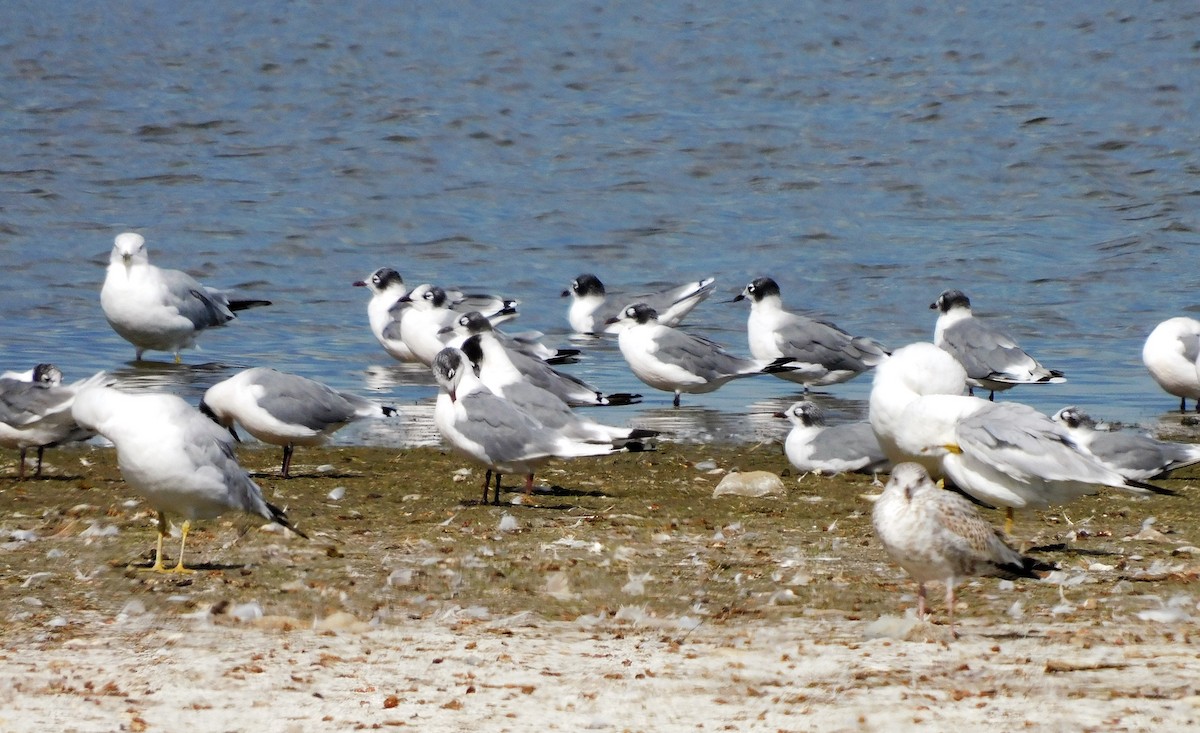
{"x": 463, "y": 321}
{"x": 428, "y": 295}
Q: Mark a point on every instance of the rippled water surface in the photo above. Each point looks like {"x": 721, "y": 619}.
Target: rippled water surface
{"x": 1043, "y": 159}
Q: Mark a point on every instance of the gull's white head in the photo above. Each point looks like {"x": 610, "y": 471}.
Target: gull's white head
{"x": 129, "y": 248}
{"x": 911, "y": 373}
{"x": 922, "y": 369}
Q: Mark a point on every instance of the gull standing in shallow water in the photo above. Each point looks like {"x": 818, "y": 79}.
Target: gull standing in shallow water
{"x": 674, "y": 361}
{"x": 937, "y": 535}
{"x": 1134, "y": 456}
{"x": 386, "y": 288}
{"x": 570, "y": 389}
{"x": 813, "y": 446}
{"x": 1172, "y": 356}
{"x": 384, "y": 309}
{"x": 37, "y": 414}
{"x": 177, "y": 459}
{"x": 588, "y": 313}
{"x": 821, "y": 352}
{"x": 1003, "y": 454}
{"x": 426, "y": 316}
{"x": 992, "y": 358}
{"x": 284, "y": 409}
{"x": 156, "y": 309}
{"x": 493, "y": 431}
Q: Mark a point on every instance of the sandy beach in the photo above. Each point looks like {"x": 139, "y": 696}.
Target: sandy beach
{"x": 622, "y": 596}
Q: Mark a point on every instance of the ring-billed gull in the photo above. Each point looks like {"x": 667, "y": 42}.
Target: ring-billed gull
{"x": 1172, "y": 354}
{"x": 811, "y": 445}
{"x": 157, "y": 309}
{"x": 588, "y": 314}
{"x": 675, "y": 361}
{"x": 937, "y": 535}
{"x": 285, "y": 409}
{"x": 179, "y": 461}
{"x": 1134, "y": 456}
{"x": 37, "y": 414}
{"x": 496, "y": 371}
{"x": 1003, "y": 454}
{"x": 493, "y": 431}
{"x": 567, "y": 387}
{"x": 823, "y": 353}
{"x": 991, "y": 357}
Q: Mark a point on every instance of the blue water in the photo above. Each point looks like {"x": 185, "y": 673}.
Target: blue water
{"x": 1045, "y": 160}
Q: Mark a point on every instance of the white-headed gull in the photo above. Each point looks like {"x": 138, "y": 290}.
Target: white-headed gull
{"x": 156, "y": 309}
{"x": 937, "y": 535}
{"x": 179, "y": 461}
{"x": 285, "y": 409}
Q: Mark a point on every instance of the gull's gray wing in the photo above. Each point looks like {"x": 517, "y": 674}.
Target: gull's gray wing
{"x": 23, "y": 403}
{"x": 700, "y": 356}
{"x": 848, "y": 442}
{"x": 541, "y": 404}
{"x": 985, "y": 351}
{"x": 202, "y": 306}
{"x": 810, "y": 341}
{"x": 506, "y": 433}
{"x": 1028, "y": 446}
{"x": 215, "y": 467}
{"x": 1147, "y": 457}
{"x": 299, "y": 401}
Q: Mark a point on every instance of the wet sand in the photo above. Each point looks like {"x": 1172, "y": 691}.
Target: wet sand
{"x": 621, "y": 596}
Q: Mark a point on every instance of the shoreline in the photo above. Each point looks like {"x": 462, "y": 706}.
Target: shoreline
{"x": 772, "y": 613}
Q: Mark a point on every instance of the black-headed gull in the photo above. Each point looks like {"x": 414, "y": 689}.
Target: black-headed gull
{"x": 1133, "y": 455}
{"x": 567, "y": 387}
{"x": 495, "y": 368}
{"x": 427, "y": 315}
{"x": 674, "y": 361}
{"x": 822, "y": 353}
{"x": 589, "y": 309}
{"x": 37, "y": 414}
{"x": 384, "y": 309}
{"x": 493, "y": 431}
{"x": 992, "y": 358}
{"x": 811, "y": 445}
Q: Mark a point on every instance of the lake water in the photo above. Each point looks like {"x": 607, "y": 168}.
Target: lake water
{"x": 1045, "y": 160}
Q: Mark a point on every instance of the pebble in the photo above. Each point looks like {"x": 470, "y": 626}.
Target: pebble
{"x": 750, "y": 483}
